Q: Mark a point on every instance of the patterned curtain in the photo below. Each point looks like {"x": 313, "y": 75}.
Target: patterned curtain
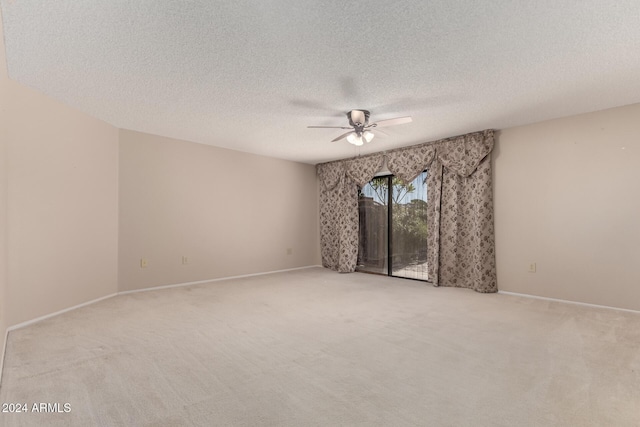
{"x": 461, "y": 245}
{"x": 362, "y": 169}
{"x": 408, "y": 163}
{"x": 338, "y": 209}
{"x": 339, "y": 183}
{"x": 461, "y": 248}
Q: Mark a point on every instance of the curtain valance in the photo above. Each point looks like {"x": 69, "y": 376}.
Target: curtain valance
{"x": 461, "y": 154}
{"x": 330, "y": 174}
{"x": 362, "y": 169}
{"x": 464, "y": 153}
{"x": 408, "y": 163}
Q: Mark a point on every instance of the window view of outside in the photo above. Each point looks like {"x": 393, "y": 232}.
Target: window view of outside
{"x": 408, "y": 231}
{"x": 374, "y": 217}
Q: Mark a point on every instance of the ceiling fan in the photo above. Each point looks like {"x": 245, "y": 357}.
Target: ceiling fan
{"x": 360, "y": 128}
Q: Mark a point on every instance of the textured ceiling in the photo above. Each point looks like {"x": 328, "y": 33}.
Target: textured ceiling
{"x": 252, "y": 75}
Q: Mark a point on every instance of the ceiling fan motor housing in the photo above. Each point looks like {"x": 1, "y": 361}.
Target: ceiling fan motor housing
{"x": 358, "y": 119}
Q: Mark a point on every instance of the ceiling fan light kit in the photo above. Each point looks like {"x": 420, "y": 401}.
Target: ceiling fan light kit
{"x": 358, "y": 140}
{"x": 368, "y": 136}
{"x": 362, "y": 130}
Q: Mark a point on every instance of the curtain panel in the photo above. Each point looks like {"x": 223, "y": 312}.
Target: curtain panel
{"x": 460, "y": 244}
{"x": 339, "y": 223}
{"x": 463, "y": 248}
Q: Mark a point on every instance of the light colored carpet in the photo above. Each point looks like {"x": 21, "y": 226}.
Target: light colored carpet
{"x": 317, "y": 348}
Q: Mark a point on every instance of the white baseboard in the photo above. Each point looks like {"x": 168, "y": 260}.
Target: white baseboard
{"x": 177, "y": 285}
{"x": 47, "y": 316}
{"x": 585, "y": 304}
{"x": 4, "y": 351}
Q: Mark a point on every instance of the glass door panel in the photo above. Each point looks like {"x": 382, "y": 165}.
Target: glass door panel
{"x": 374, "y": 216}
{"x": 409, "y": 228}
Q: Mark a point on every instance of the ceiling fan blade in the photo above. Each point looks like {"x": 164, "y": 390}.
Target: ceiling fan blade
{"x": 344, "y": 135}
{"x": 393, "y": 122}
{"x": 329, "y": 127}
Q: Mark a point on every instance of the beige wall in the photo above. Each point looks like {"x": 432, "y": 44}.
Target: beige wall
{"x": 4, "y": 106}
{"x": 230, "y": 213}
{"x": 62, "y": 175}
{"x": 567, "y": 197}
{"x": 3, "y": 223}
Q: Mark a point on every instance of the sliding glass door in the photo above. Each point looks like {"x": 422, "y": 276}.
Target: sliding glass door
{"x": 409, "y": 228}
{"x": 373, "y": 244}
{"x": 393, "y": 227}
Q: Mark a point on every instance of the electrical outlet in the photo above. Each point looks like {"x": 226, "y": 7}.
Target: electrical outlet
{"x": 143, "y": 263}
{"x": 532, "y": 267}
{"x": 289, "y": 251}
{"x": 185, "y": 260}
